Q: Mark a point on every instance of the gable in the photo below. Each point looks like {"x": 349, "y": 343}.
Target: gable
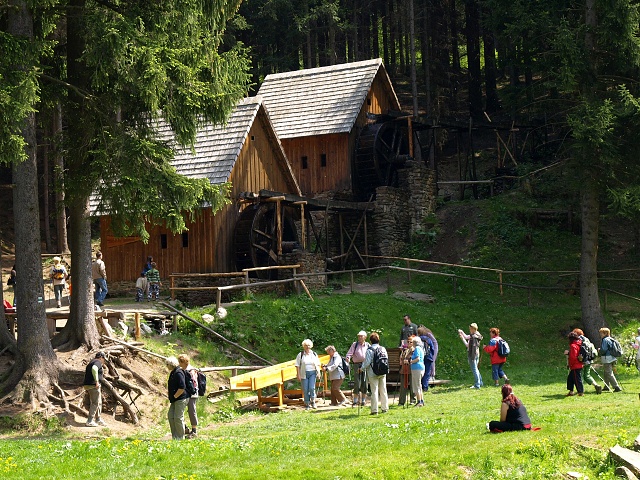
{"x": 321, "y": 101}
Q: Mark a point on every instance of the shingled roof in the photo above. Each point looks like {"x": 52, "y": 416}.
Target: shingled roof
{"x": 217, "y": 147}
{"x": 320, "y": 101}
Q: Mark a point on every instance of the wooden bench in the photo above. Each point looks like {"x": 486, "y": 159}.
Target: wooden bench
{"x": 12, "y": 323}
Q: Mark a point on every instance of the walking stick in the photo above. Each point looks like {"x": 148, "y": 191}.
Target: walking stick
{"x": 593, "y": 369}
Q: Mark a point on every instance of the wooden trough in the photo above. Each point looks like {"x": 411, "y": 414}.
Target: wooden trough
{"x": 274, "y": 375}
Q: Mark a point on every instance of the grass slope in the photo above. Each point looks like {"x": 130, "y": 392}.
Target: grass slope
{"x": 446, "y": 439}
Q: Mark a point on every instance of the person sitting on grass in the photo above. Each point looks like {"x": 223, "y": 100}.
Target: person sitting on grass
{"x": 513, "y": 414}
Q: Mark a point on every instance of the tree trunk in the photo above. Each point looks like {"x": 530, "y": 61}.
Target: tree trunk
{"x": 490, "y": 71}
{"x": 81, "y": 327}
{"x": 592, "y": 316}
{"x": 45, "y": 185}
{"x": 472, "y": 31}
{"x": 61, "y": 214}
{"x": 412, "y": 47}
{"x": 36, "y": 365}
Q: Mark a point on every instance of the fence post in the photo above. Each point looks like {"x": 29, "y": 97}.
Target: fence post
{"x": 136, "y": 331}
{"x": 351, "y": 280}
{"x": 173, "y": 293}
{"x": 296, "y": 283}
{"x": 218, "y": 298}
{"x": 246, "y": 282}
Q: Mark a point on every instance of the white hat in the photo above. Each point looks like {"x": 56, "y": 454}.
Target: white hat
{"x": 363, "y": 333}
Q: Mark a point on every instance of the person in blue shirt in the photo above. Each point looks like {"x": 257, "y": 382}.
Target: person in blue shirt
{"x": 417, "y": 370}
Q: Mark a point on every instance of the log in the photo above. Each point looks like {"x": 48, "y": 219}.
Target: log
{"x": 627, "y": 458}
{"x": 135, "y": 348}
{"x": 125, "y": 405}
{"x": 137, "y": 376}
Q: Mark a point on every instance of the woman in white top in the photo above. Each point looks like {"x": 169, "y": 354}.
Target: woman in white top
{"x": 336, "y": 375}
{"x": 308, "y": 367}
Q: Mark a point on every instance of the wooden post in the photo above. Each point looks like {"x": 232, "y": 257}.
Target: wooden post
{"x": 174, "y": 321}
{"x": 342, "y": 259}
{"x": 173, "y": 293}
{"x": 500, "y": 280}
{"x": 218, "y": 298}
{"x": 366, "y": 242}
{"x": 297, "y": 284}
{"x": 247, "y": 283}
{"x": 136, "y": 330}
{"x": 352, "y": 281}
{"x": 303, "y": 226}
{"x": 410, "y": 132}
{"x": 279, "y": 225}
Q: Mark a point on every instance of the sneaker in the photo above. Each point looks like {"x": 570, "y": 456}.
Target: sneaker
{"x": 307, "y": 407}
{"x": 59, "y": 305}
{"x": 187, "y": 431}
{"x": 617, "y": 389}
{"x": 420, "y": 403}
{"x": 598, "y": 389}
{"x": 314, "y": 406}
{"x": 569, "y": 394}
{"x": 473, "y": 386}
{"x": 373, "y": 413}
{"x": 101, "y": 423}
{"x": 580, "y": 394}
{"x": 91, "y": 424}
{"x": 385, "y": 411}
{"x": 98, "y": 309}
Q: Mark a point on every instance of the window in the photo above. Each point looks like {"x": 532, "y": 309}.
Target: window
{"x": 323, "y": 160}
{"x": 163, "y": 240}
{"x": 185, "y": 239}
{"x": 304, "y": 163}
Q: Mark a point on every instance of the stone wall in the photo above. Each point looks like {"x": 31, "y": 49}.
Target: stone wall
{"x": 309, "y": 263}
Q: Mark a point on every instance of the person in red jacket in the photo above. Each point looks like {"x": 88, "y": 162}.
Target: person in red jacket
{"x": 574, "y": 379}
{"x": 496, "y": 360}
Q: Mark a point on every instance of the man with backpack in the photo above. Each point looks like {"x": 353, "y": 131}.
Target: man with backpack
{"x": 191, "y": 375}
{"x": 376, "y": 367}
{"x": 609, "y": 351}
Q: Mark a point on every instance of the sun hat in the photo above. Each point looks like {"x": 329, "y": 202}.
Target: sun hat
{"x": 363, "y": 333}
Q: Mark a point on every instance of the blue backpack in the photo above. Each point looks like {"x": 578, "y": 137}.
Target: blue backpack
{"x": 503, "y": 348}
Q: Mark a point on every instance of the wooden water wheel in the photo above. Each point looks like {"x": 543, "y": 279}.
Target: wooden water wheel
{"x": 381, "y": 149}
{"x": 256, "y": 237}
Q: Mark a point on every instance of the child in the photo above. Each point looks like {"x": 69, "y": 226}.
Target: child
{"x": 142, "y": 284}
{"x": 153, "y": 277}
{"x": 59, "y": 275}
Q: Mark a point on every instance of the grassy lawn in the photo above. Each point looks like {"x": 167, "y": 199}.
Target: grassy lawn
{"x": 446, "y": 439}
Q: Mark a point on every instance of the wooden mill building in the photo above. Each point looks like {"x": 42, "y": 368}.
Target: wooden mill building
{"x": 247, "y": 153}
{"x": 319, "y": 114}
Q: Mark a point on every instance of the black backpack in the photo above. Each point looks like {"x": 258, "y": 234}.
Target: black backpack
{"x": 202, "y": 383}
{"x": 380, "y": 362}
{"x": 587, "y": 352}
{"x": 345, "y": 366}
{"x": 190, "y": 384}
